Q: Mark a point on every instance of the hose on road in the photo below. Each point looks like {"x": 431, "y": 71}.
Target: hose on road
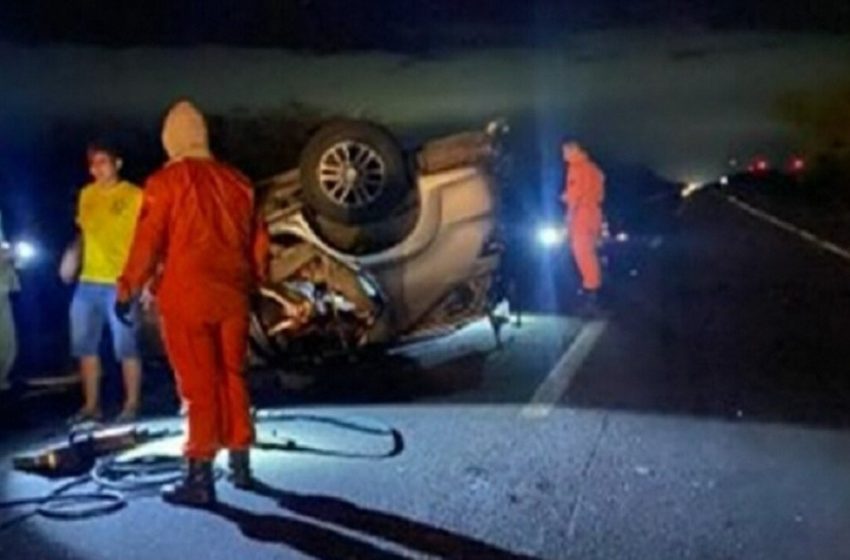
{"x": 115, "y": 477}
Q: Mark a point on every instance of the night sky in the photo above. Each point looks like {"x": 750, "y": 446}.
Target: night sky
{"x": 409, "y": 25}
{"x": 676, "y": 85}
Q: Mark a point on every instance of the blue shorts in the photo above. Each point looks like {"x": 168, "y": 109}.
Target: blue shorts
{"x": 92, "y": 309}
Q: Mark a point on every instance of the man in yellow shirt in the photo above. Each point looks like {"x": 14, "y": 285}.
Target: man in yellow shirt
{"x": 106, "y": 216}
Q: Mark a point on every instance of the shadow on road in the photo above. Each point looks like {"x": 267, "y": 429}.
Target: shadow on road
{"x": 379, "y": 378}
{"x": 329, "y": 544}
{"x": 308, "y": 538}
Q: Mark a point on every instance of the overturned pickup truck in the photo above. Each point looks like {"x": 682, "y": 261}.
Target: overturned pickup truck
{"x": 375, "y": 246}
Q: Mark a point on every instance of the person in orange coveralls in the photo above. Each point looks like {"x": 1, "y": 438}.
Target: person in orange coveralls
{"x": 198, "y": 224}
{"x": 584, "y": 192}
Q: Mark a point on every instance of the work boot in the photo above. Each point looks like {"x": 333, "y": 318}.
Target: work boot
{"x": 197, "y": 489}
{"x": 240, "y": 469}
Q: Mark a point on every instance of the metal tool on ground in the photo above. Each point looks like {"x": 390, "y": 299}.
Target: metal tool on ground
{"x": 78, "y": 454}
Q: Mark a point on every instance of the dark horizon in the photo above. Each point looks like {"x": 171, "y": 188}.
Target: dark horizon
{"x": 414, "y": 26}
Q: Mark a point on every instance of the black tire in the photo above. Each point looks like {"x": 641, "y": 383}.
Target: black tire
{"x": 353, "y": 172}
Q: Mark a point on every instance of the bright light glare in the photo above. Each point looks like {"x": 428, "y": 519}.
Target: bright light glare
{"x": 550, "y": 236}
{"x": 622, "y": 237}
{"x": 724, "y": 180}
{"x": 25, "y": 251}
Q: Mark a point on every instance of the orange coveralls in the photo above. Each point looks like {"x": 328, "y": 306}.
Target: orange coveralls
{"x": 584, "y": 193}
{"x": 197, "y": 220}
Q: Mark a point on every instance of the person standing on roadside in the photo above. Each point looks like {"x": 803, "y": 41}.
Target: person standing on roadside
{"x": 584, "y": 193}
{"x": 198, "y": 225}
{"x": 107, "y": 211}
{"x": 8, "y": 284}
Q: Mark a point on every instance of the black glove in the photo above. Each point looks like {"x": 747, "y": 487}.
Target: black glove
{"x": 124, "y": 312}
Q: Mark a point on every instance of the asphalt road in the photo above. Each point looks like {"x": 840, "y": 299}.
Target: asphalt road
{"x": 730, "y": 317}
{"x": 705, "y": 417}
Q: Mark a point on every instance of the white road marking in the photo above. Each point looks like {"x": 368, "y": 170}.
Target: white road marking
{"x": 803, "y": 234}
{"x": 556, "y": 384}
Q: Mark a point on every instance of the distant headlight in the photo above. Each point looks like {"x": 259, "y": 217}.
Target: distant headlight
{"x": 690, "y": 189}
{"x": 25, "y": 251}
{"x": 22, "y": 252}
{"x": 550, "y": 236}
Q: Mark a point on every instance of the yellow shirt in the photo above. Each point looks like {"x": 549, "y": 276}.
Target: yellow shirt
{"x": 107, "y": 217}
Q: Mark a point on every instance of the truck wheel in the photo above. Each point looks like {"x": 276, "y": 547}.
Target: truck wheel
{"x": 353, "y": 172}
